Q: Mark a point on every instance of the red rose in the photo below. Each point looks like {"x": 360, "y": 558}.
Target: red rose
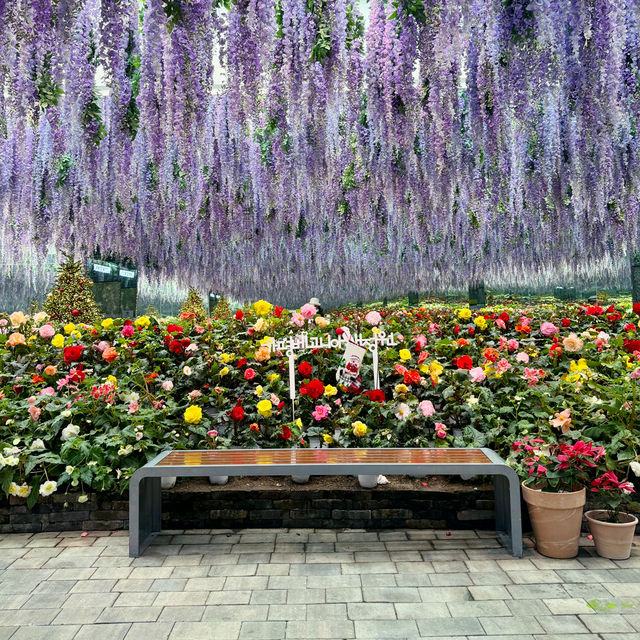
{"x": 314, "y": 389}
{"x": 304, "y": 369}
{"x": 377, "y": 395}
{"x": 175, "y": 346}
{"x": 464, "y": 362}
{"x": 73, "y": 354}
{"x": 636, "y": 308}
{"x": 249, "y": 374}
{"x": 566, "y": 322}
{"x": 278, "y": 311}
{"x": 237, "y": 414}
{"x": 286, "y": 433}
{"x": 239, "y": 314}
{"x": 281, "y": 405}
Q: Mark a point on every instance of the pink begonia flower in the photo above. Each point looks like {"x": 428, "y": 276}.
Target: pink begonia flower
{"x": 48, "y": 391}
{"x": 548, "y": 329}
{"x": 400, "y": 337}
{"x": 297, "y": 319}
{"x": 128, "y": 331}
{"x": 500, "y": 323}
{"x": 441, "y": 430}
{"x": 373, "y": 318}
{"x": 34, "y": 411}
{"x": 198, "y": 329}
{"x": 421, "y": 341}
{"x": 133, "y": 406}
{"x": 212, "y": 434}
{"x": 512, "y": 344}
{"x": 308, "y": 311}
{"x": 46, "y": 331}
{"x": 167, "y": 385}
{"x": 426, "y": 407}
{"x": 433, "y": 327}
{"x": 102, "y": 345}
{"x": 532, "y": 376}
{"x": 31, "y": 399}
{"x": 523, "y": 356}
{"x": 502, "y": 365}
{"x": 635, "y": 374}
{"x": 194, "y": 394}
{"x": 321, "y": 412}
{"x": 477, "y": 374}
{"x": 524, "y": 321}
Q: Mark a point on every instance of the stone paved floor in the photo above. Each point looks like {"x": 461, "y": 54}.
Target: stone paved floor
{"x": 262, "y": 584}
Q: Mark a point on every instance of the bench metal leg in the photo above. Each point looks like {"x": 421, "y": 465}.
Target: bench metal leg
{"x": 508, "y": 517}
{"x": 145, "y": 513}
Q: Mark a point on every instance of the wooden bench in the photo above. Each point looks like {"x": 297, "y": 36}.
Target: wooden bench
{"x": 145, "y": 495}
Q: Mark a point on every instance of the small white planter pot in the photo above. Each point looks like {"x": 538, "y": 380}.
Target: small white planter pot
{"x": 168, "y": 482}
{"x": 218, "y": 479}
{"x": 300, "y": 479}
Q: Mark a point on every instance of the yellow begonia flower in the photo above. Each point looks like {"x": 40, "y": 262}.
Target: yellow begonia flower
{"x": 260, "y": 325}
{"x": 327, "y": 438}
{"x": 113, "y": 381}
{"x": 224, "y": 357}
{"x": 405, "y": 354}
{"x": 359, "y": 428}
{"x": 193, "y": 415}
{"x": 224, "y": 371}
{"x": 464, "y": 314}
{"x": 107, "y": 323}
{"x": 576, "y": 369}
{"x": 298, "y": 423}
{"x": 68, "y": 328}
{"x": 262, "y": 307}
{"x": 142, "y": 321}
{"x": 264, "y": 408}
{"x": 401, "y": 388}
{"x": 265, "y": 340}
{"x": 330, "y": 391}
{"x": 76, "y": 334}
{"x": 58, "y": 341}
{"x": 259, "y": 390}
{"x": 480, "y": 322}
{"x": 274, "y": 377}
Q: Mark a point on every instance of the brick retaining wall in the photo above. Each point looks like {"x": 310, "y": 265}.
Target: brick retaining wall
{"x": 197, "y": 505}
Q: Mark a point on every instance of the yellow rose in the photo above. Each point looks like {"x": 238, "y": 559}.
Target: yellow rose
{"x": 480, "y": 322}
{"x": 224, "y": 371}
{"x": 405, "y": 354}
{"x": 264, "y": 408}
{"x": 142, "y": 321}
{"x": 464, "y": 314}
{"x": 327, "y": 438}
{"x": 193, "y": 415}
{"x": 113, "y": 381}
{"x": 224, "y": 357}
{"x": 107, "y": 323}
{"x": 401, "y": 388}
{"x": 68, "y": 328}
{"x": 58, "y": 341}
{"x": 259, "y": 390}
{"x": 359, "y": 428}
{"x": 262, "y": 307}
{"x": 330, "y": 391}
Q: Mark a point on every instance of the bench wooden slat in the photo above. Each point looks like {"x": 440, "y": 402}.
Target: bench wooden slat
{"x": 323, "y": 456}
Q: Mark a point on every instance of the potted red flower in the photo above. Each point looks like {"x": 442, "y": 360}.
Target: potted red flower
{"x": 555, "y": 477}
{"x": 612, "y": 528}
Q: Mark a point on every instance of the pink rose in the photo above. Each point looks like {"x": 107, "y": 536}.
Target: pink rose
{"x": 548, "y": 329}
{"x": 46, "y": 331}
{"x": 477, "y": 374}
{"x": 308, "y": 311}
{"x": 373, "y": 318}
{"x": 523, "y": 357}
{"x": 426, "y": 407}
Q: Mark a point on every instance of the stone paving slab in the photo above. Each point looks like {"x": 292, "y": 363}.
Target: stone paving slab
{"x": 302, "y": 584}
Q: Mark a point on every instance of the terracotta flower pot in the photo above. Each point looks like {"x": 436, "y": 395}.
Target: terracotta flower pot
{"x": 556, "y": 519}
{"x": 612, "y": 539}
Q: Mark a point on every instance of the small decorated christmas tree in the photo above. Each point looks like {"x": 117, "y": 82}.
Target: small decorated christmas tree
{"x": 71, "y": 299}
{"x": 193, "y": 304}
{"x": 222, "y": 309}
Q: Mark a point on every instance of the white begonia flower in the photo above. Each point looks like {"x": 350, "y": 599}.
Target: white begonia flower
{"x": 125, "y": 451}
{"x": 635, "y": 467}
{"x": 37, "y": 445}
{"x": 49, "y": 487}
{"x": 83, "y": 498}
{"x": 66, "y": 413}
{"x": 70, "y": 431}
{"x": 403, "y": 412}
{"x": 186, "y": 370}
{"x": 472, "y": 401}
{"x": 69, "y": 469}
{"x": 12, "y": 461}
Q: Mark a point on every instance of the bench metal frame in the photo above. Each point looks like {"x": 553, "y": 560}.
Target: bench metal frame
{"x": 145, "y": 494}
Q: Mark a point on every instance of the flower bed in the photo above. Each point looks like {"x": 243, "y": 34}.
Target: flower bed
{"x": 85, "y": 406}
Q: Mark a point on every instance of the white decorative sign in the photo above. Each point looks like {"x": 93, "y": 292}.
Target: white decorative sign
{"x": 302, "y": 342}
{"x": 348, "y": 374}
{"x": 124, "y": 273}
{"x": 100, "y": 268}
